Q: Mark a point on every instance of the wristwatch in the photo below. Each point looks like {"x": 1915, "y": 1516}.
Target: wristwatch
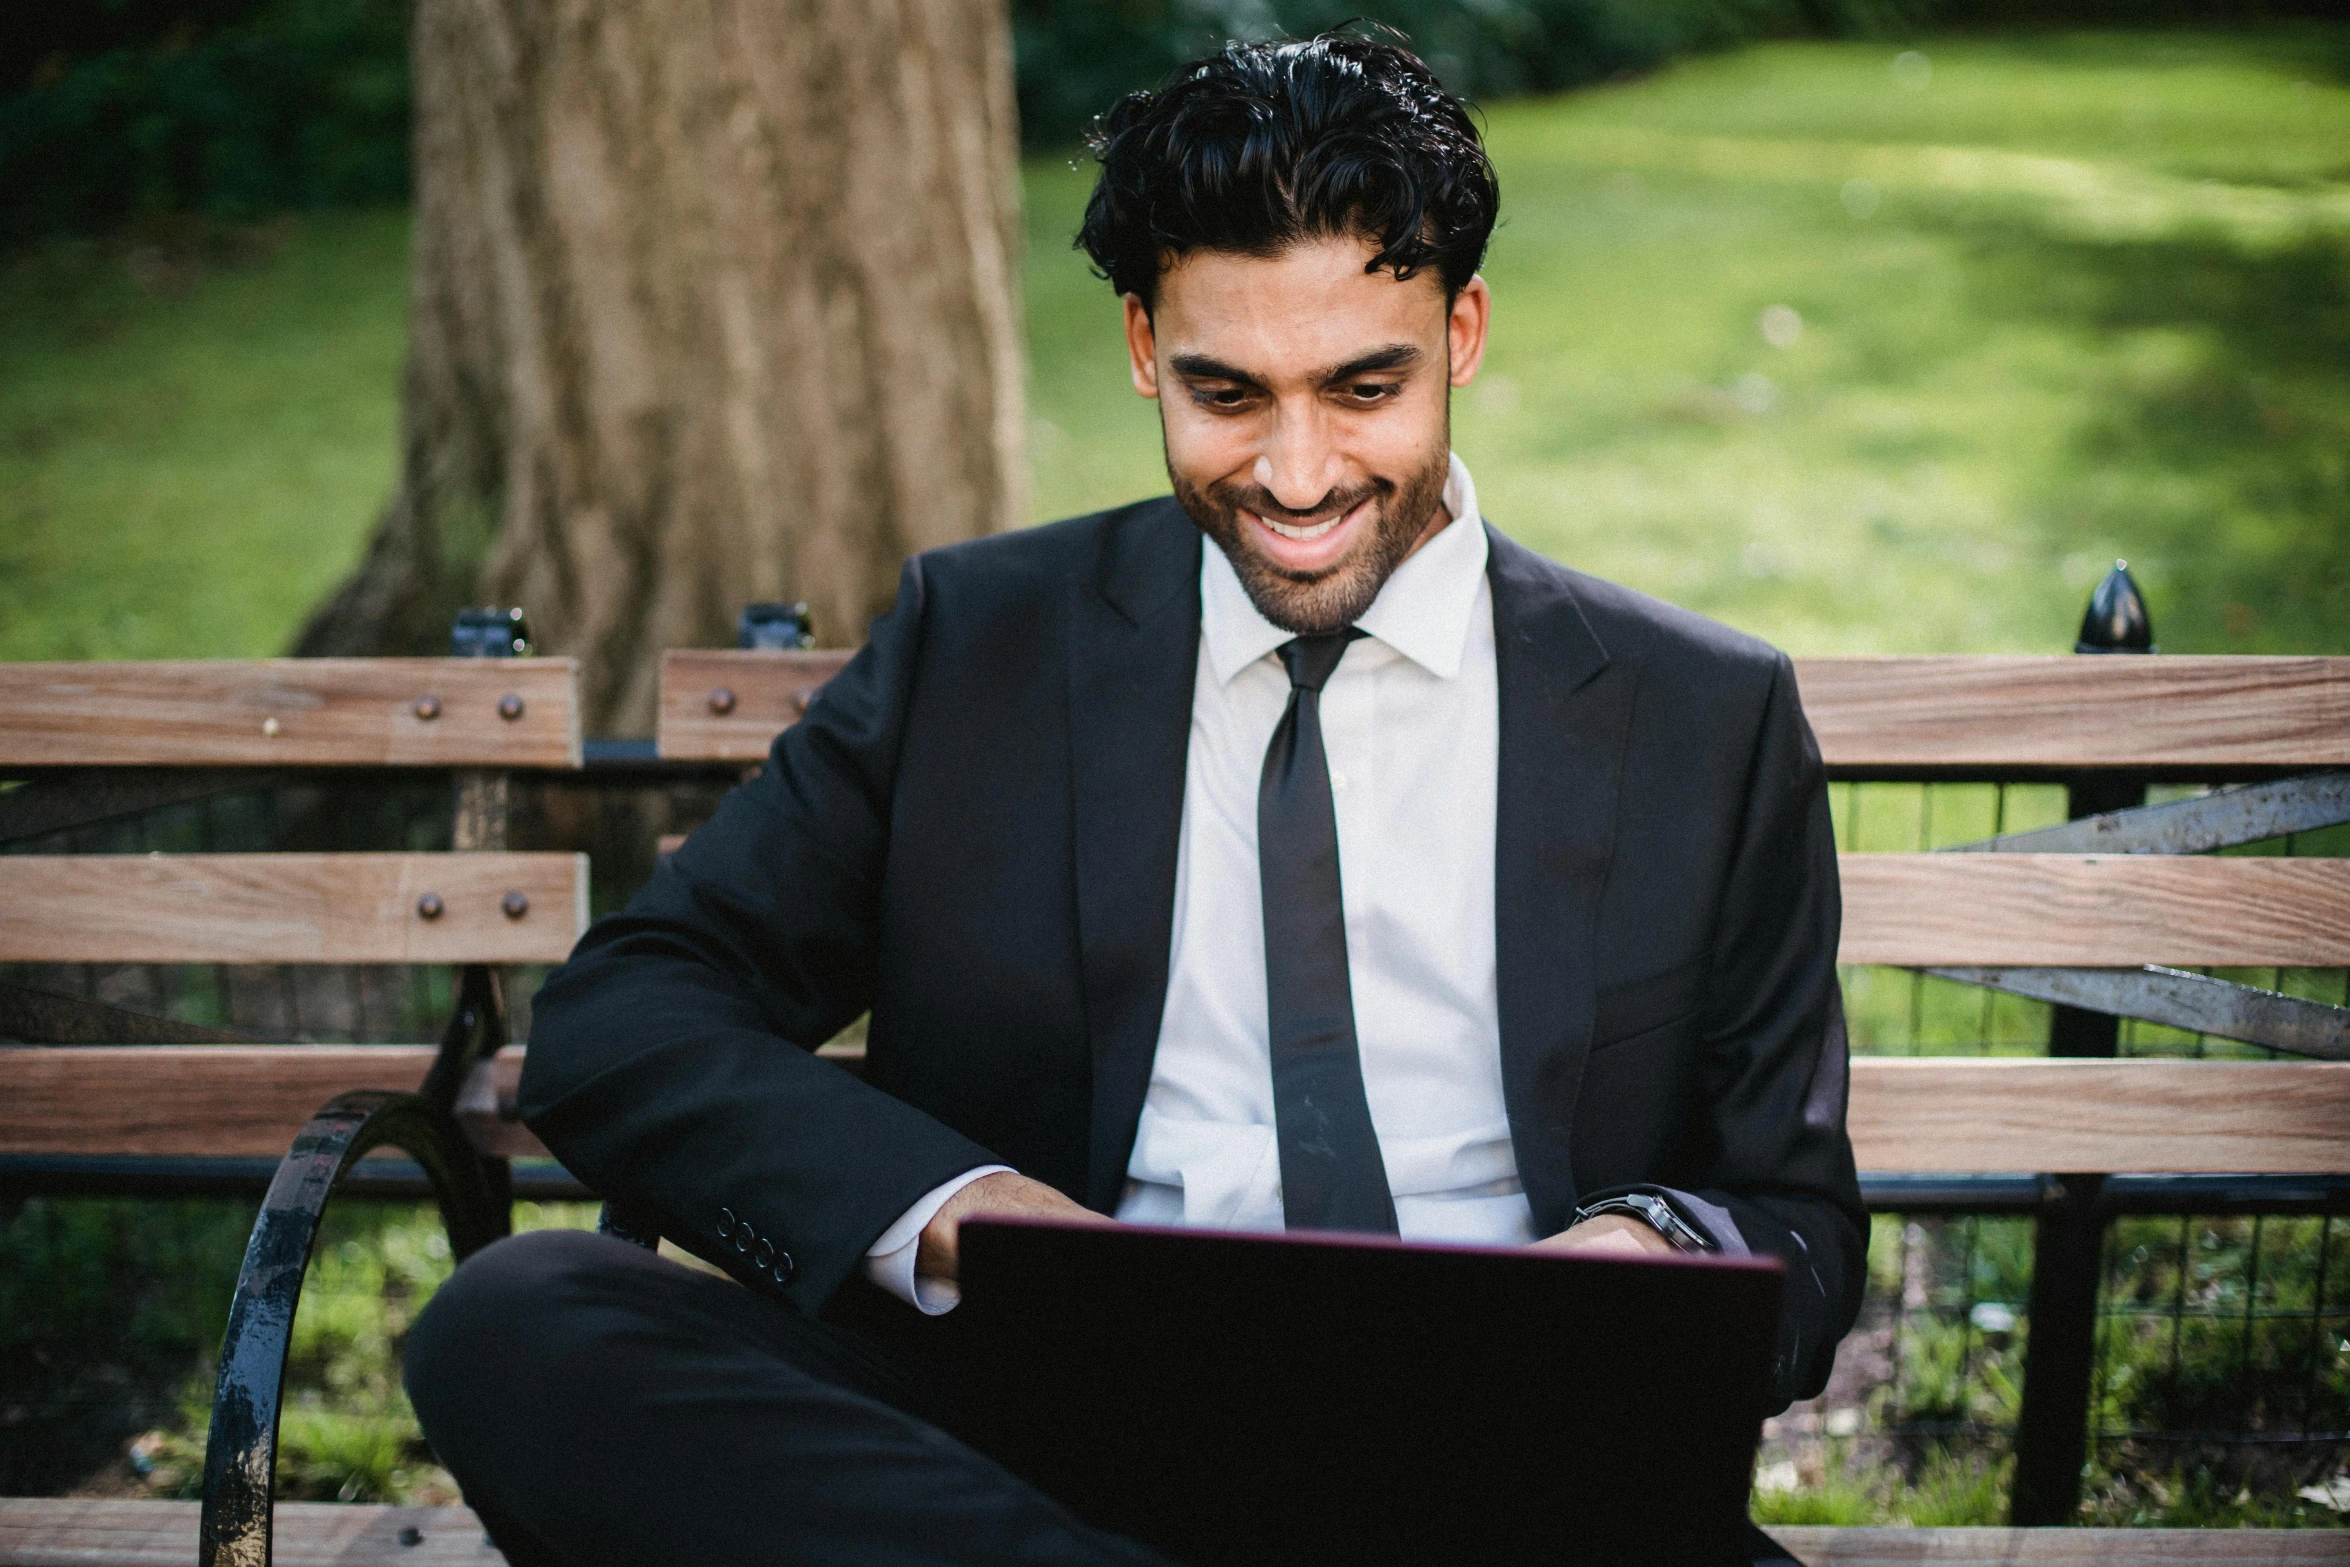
{"x": 1652, "y": 1211}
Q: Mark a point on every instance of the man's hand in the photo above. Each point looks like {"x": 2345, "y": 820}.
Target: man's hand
{"x": 1610, "y": 1234}
{"x": 1003, "y": 1194}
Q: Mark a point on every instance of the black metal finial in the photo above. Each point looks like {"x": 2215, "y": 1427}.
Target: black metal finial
{"x": 774, "y": 626}
{"x": 489, "y": 633}
{"x": 2117, "y": 621}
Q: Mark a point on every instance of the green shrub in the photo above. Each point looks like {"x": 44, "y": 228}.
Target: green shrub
{"x": 226, "y": 110}
{"x": 1076, "y": 56}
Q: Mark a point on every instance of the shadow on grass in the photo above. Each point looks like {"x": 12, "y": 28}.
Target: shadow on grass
{"x": 2217, "y": 452}
{"x": 106, "y": 1308}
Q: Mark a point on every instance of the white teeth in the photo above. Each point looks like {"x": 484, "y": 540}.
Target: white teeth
{"x": 1301, "y": 534}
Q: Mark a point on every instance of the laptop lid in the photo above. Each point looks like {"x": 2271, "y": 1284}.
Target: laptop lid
{"x": 1244, "y": 1398}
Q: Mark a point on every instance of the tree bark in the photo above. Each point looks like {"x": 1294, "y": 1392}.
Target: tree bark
{"x": 711, "y": 303}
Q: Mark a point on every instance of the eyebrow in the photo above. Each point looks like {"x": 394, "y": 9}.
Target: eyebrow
{"x": 1394, "y": 356}
{"x": 1199, "y": 367}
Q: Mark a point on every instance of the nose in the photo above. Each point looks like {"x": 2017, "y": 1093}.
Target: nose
{"x": 1298, "y": 465}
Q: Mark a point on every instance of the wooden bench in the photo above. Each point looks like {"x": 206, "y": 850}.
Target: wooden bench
{"x": 99, "y": 741}
{"x": 2054, "y": 913}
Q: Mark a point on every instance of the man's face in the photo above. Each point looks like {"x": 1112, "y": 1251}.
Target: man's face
{"x": 1306, "y": 409}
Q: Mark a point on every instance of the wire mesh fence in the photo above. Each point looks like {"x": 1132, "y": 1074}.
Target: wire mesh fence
{"x": 2223, "y": 1341}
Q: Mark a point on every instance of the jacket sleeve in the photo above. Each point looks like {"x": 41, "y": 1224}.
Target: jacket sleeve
{"x": 1775, "y": 1065}
{"x": 671, "y": 1061}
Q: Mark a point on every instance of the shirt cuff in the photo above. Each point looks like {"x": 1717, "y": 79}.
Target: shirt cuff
{"x": 889, "y": 1261}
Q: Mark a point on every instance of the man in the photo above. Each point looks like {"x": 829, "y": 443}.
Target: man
{"x": 1296, "y": 850}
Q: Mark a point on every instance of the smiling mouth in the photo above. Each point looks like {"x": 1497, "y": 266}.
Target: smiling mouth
{"x": 1306, "y": 532}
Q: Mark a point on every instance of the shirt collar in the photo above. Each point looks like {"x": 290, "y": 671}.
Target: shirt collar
{"x": 1422, "y": 611}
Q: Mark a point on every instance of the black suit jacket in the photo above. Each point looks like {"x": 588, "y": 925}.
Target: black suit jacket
{"x": 972, "y": 834}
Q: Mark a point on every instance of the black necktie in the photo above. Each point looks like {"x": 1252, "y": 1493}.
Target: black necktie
{"x": 1332, "y": 1177}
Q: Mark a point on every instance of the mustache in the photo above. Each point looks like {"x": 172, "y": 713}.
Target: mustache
{"x": 1337, "y": 503}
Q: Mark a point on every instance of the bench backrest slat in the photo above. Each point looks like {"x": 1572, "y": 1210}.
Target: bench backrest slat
{"x": 290, "y": 908}
{"x": 208, "y": 1101}
{"x": 2095, "y": 910}
{"x": 1981, "y": 713}
{"x": 728, "y": 705}
{"x": 2185, "y": 711}
{"x": 1909, "y": 1115}
{"x": 293, "y": 712}
{"x": 1921, "y": 1114}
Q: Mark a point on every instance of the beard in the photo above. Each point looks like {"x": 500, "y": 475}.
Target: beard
{"x": 1318, "y": 603}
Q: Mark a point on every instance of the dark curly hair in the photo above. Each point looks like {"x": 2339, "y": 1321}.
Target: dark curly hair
{"x": 1267, "y": 144}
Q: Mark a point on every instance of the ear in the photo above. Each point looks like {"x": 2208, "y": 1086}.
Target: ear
{"x": 1472, "y": 313}
{"x": 1141, "y": 347}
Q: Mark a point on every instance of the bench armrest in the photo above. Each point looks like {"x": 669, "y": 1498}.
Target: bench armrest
{"x": 240, "y": 1458}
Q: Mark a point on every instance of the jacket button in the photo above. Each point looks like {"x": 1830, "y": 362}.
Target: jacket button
{"x": 765, "y": 1255}
{"x": 725, "y": 1223}
{"x": 784, "y": 1268}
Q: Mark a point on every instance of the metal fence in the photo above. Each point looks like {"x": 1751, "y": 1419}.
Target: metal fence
{"x": 2218, "y": 1388}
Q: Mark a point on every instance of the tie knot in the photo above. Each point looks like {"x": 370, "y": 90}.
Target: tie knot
{"x": 1311, "y": 659}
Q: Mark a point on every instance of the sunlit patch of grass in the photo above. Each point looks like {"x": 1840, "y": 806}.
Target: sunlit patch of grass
{"x": 1947, "y": 1491}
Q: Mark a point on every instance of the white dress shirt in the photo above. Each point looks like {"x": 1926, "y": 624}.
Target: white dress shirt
{"x": 1411, "y": 727}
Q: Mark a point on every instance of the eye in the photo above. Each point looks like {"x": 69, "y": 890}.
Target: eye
{"x": 1221, "y": 398}
{"x": 1367, "y": 392}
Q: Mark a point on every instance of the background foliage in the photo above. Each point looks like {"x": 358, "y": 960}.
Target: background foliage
{"x": 121, "y": 109}
{"x": 113, "y": 110}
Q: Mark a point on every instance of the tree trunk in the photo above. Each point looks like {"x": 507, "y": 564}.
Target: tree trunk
{"x": 712, "y": 303}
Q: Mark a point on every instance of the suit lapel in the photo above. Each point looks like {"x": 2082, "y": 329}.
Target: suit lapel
{"x": 1566, "y": 707}
{"x": 1133, "y": 653}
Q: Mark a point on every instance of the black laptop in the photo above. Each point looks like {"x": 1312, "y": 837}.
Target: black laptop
{"x": 1305, "y": 1399}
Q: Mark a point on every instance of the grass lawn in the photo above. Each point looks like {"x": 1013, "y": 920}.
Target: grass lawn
{"x": 1859, "y": 349}
{"x": 2067, "y": 300}
{"x": 192, "y": 447}
{"x": 2034, "y": 304}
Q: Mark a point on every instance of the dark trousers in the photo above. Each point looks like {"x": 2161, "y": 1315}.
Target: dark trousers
{"x": 600, "y": 1405}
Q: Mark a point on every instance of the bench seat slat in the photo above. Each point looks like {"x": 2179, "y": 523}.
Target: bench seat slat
{"x": 37, "y": 1532}
{"x": 2094, "y": 910}
{"x": 41, "y": 1532}
{"x": 220, "y": 1101}
{"x": 1921, "y": 1114}
{"x": 289, "y": 908}
{"x": 291, "y": 712}
{"x": 1825, "y": 1547}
